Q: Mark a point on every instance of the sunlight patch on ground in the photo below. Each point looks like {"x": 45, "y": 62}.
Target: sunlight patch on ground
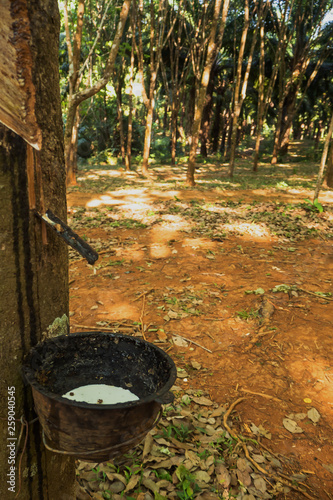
{"x": 247, "y": 230}
{"x": 159, "y": 251}
{"x": 199, "y": 244}
{"x": 102, "y": 200}
{"x": 320, "y": 379}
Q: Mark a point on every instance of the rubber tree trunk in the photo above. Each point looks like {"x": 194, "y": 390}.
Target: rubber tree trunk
{"x": 261, "y": 95}
{"x": 174, "y": 116}
{"x": 120, "y": 118}
{"x": 215, "y": 134}
{"x": 34, "y": 264}
{"x": 329, "y": 174}
{"x": 206, "y": 114}
{"x": 213, "y": 45}
{"x": 287, "y": 121}
{"x": 128, "y": 156}
{"x": 237, "y": 99}
{"x": 81, "y": 95}
{"x": 323, "y": 159}
{"x": 71, "y": 137}
{"x": 278, "y": 129}
{"x": 148, "y": 131}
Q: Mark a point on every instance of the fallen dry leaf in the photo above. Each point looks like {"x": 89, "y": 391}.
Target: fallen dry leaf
{"x": 291, "y": 426}
{"x": 201, "y": 400}
{"x": 314, "y": 415}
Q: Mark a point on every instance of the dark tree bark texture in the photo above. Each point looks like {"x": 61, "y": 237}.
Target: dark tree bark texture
{"x": 329, "y": 173}
{"x": 33, "y": 265}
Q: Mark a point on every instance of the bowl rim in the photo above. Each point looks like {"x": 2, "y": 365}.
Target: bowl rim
{"x": 29, "y": 373}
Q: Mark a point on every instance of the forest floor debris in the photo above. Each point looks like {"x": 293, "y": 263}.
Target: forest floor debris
{"x": 195, "y": 452}
{"x": 246, "y": 275}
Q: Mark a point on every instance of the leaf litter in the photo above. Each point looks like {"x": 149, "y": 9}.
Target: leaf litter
{"x": 215, "y": 228}
{"x": 195, "y": 452}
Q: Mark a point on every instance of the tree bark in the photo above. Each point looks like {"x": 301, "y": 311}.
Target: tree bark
{"x": 33, "y": 265}
{"x": 156, "y": 44}
{"x": 329, "y": 173}
{"x": 131, "y": 108}
{"x": 81, "y": 95}
{"x": 261, "y": 90}
{"x": 120, "y": 115}
{"x": 148, "y": 130}
{"x": 206, "y": 114}
{"x": 237, "y": 101}
{"x": 304, "y": 50}
{"x": 323, "y": 159}
{"x": 213, "y": 46}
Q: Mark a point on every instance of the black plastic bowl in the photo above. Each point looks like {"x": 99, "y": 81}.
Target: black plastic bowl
{"x": 93, "y": 431}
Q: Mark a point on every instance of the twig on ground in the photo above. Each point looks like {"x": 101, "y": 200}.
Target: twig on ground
{"x": 314, "y": 294}
{"x": 142, "y": 295}
{"x": 269, "y": 451}
{"x": 209, "y": 335}
{"x": 195, "y": 343}
{"x": 257, "y": 466}
{"x": 226, "y": 416}
{"x": 260, "y": 394}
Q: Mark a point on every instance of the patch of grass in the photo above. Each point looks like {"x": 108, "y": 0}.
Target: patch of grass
{"x": 243, "y": 314}
{"x": 181, "y": 432}
{"x": 187, "y": 486}
{"x": 128, "y": 223}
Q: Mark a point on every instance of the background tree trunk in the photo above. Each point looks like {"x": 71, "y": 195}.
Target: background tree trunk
{"x": 131, "y": 109}
{"x": 34, "y": 265}
{"x": 237, "y": 100}
{"x": 81, "y": 95}
{"x": 324, "y": 158}
{"x": 329, "y": 174}
{"x": 213, "y": 46}
{"x": 206, "y": 114}
{"x": 261, "y": 92}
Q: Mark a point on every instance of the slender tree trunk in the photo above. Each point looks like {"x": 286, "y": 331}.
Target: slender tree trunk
{"x": 278, "y": 124}
{"x": 156, "y": 43}
{"x": 261, "y": 104}
{"x": 71, "y": 150}
{"x": 190, "y": 110}
{"x": 224, "y": 126}
{"x": 72, "y": 124}
{"x": 215, "y": 134}
{"x": 206, "y": 114}
{"x": 120, "y": 118}
{"x": 213, "y": 46}
{"x": 323, "y": 159}
{"x": 329, "y": 174}
{"x": 237, "y": 101}
{"x": 34, "y": 264}
{"x": 148, "y": 131}
{"x": 287, "y": 120}
{"x": 81, "y": 95}
{"x": 174, "y": 119}
{"x": 131, "y": 108}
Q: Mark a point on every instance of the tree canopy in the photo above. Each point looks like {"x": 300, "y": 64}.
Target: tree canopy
{"x": 162, "y": 78}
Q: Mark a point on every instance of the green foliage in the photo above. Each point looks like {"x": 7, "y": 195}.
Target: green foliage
{"x": 187, "y": 483}
{"x": 243, "y": 314}
{"x": 314, "y": 206}
{"x": 181, "y": 432}
{"x": 99, "y": 131}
